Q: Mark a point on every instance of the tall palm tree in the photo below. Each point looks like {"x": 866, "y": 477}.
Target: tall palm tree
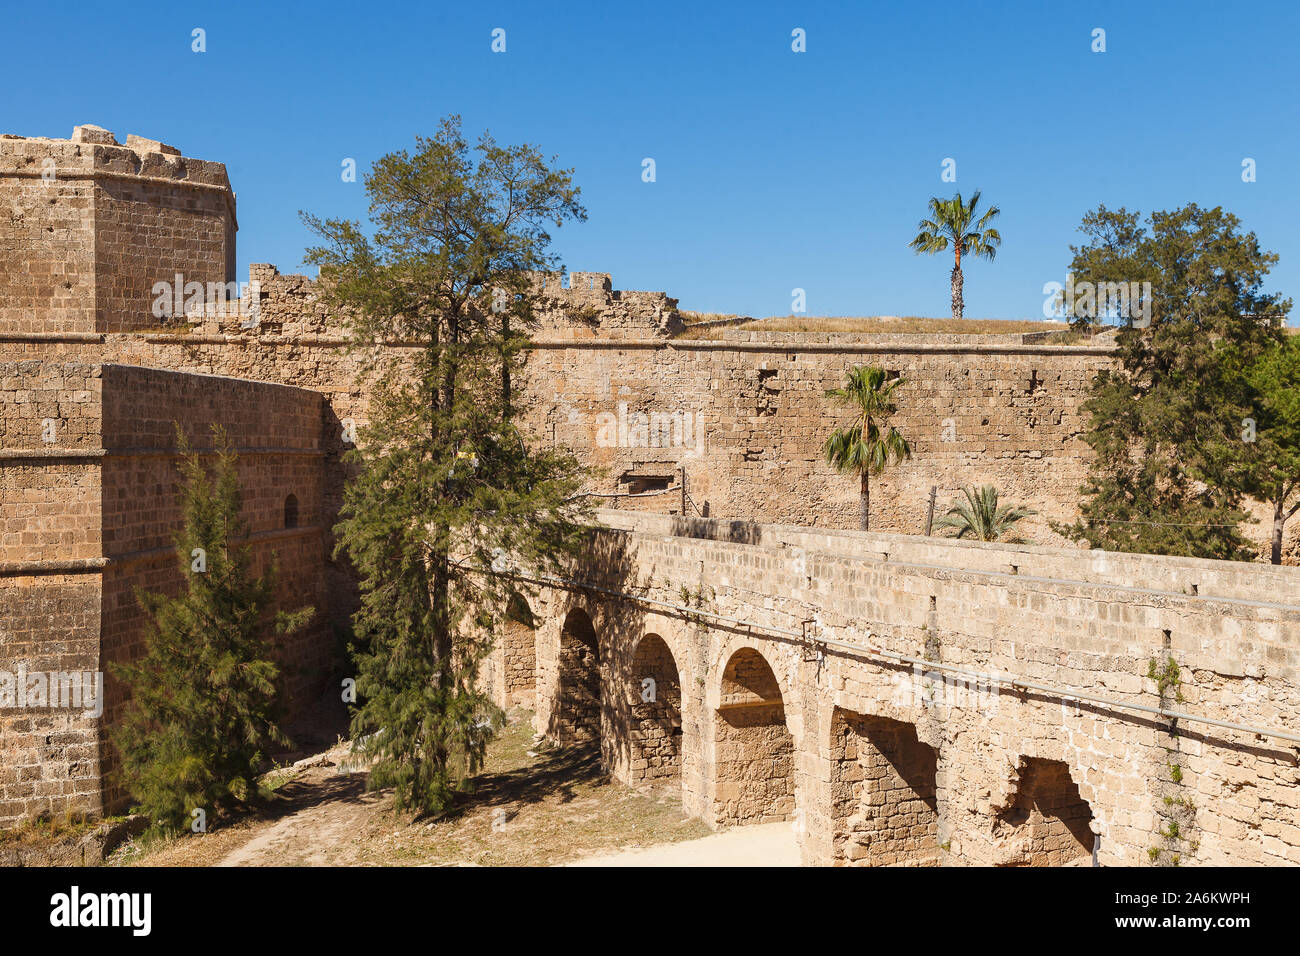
{"x": 952, "y": 222}
{"x": 866, "y": 446}
{"x": 982, "y": 518}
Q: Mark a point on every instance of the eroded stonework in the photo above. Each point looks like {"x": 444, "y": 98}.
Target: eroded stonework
{"x": 873, "y": 760}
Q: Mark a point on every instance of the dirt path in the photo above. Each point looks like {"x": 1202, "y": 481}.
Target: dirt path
{"x": 318, "y": 833}
{"x": 769, "y": 844}
{"x": 533, "y": 805}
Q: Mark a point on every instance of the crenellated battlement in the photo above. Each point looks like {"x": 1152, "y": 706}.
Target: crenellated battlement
{"x": 579, "y": 305}
{"x": 89, "y": 226}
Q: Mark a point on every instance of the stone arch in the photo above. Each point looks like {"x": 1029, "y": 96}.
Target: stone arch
{"x": 519, "y": 651}
{"x": 753, "y": 747}
{"x": 291, "y": 511}
{"x": 576, "y": 716}
{"x": 884, "y": 797}
{"x": 655, "y": 712}
{"x": 1047, "y": 822}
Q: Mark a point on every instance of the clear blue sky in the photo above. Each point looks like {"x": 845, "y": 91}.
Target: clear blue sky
{"x": 775, "y": 169}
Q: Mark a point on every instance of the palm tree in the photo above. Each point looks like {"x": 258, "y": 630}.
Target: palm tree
{"x": 952, "y": 222}
{"x": 866, "y": 446}
{"x": 981, "y": 517}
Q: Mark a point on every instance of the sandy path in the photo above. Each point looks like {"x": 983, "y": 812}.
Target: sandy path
{"x": 322, "y": 832}
{"x": 767, "y": 844}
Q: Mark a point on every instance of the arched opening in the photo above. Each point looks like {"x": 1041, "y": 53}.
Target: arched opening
{"x": 577, "y": 710}
{"x": 754, "y": 752}
{"x": 1048, "y": 822}
{"x": 883, "y": 796}
{"x": 291, "y": 511}
{"x": 519, "y": 650}
{"x": 655, "y": 719}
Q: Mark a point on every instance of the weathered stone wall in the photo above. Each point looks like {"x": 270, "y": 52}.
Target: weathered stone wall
{"x": 654, "y": 711}
{"x": 49, "y": 756}
{"x": 87, "y": 227}
{"x": 88, "y": 463}
{"x": 754, "y": 418}
{"x": 883, "y": 793}
{"x": 1066, "y": 620}
{"x": 750, "y": 441}
{"x": 50, "y": 547}
{"x": 588, "y": 306}
{"x": 742, "y": 419}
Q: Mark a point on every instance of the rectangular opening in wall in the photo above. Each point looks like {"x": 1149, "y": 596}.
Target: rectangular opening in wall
{"x": 640, "y": 483}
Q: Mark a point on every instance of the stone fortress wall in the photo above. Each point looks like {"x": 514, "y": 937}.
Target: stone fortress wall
{"x": 89, "y": 509}
{"x": 738, "y": 420}
{"x": 88, "y": 226}
{"x": 903, "y": 699}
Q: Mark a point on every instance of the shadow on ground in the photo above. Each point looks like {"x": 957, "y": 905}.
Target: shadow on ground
{"x": 555, "y": 774}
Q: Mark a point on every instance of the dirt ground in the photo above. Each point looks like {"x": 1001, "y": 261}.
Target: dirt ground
{"x": 768, "y": 844}
{"x": 530, "y": 806}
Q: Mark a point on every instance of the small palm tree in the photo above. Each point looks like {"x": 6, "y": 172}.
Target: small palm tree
{"x": 981, "y": 517}
{"x": 952, "y": 222}
{"x": 866, "y": 446}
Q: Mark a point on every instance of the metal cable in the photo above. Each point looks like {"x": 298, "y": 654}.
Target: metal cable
{"x": 868, "y": 651}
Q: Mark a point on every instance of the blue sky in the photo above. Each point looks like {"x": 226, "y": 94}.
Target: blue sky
{"x": 775, "y": 169}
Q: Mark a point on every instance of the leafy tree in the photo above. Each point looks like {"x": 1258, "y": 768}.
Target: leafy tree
{"x": 866, "y": 447}
{"x": 981, "y": 517}
{"x": 445, "y": 482}
{"x": 1266, "y": 446}
{"x": 1116, "y": 253}
{"x": 202, "y": 710}
{"x": 953, "y": 222}
{"x": 1166, "y": 479}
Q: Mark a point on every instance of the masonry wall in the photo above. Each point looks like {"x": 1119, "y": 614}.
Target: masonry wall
{"x": 753, "y": 440}
{"x": 47, "y": 237}
{"x": 49, "y": 756}
{"x": 50, "y": 542}
{"x": 88, "y": 469}
{"x": 1020, "y": 777}
{"x": 88, "y": 226}
{"x": 276, "y": 433}
{"x": 755, "y": 419}
{"x": 743, "y": 417}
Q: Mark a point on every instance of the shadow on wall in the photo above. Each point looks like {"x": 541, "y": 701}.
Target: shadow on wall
{"x": 1048, "y": 823}
{"x": 884, "y": 798}
{"x": 618, "y": 685}
{"x": 344, "y": 597}
{"x": 595, "y": 626}
{"x": 714, "y": 529}
{"x": 754, "y": 749}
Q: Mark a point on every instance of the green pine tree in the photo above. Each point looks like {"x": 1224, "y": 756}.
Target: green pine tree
{"x": 1264, "y": 444}
{"x": 1165, "y": 478}
{"x": 201, "y": 714}
{"x": 445, "y": 484}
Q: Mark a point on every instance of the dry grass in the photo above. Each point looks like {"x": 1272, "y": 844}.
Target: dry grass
{"x": 45, "y": 831}
{"x": 691, "y": 317}
{"x": 1065, "y": 337}
{"x": 557, "y": 805}
{"x": 909, "y": 324}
